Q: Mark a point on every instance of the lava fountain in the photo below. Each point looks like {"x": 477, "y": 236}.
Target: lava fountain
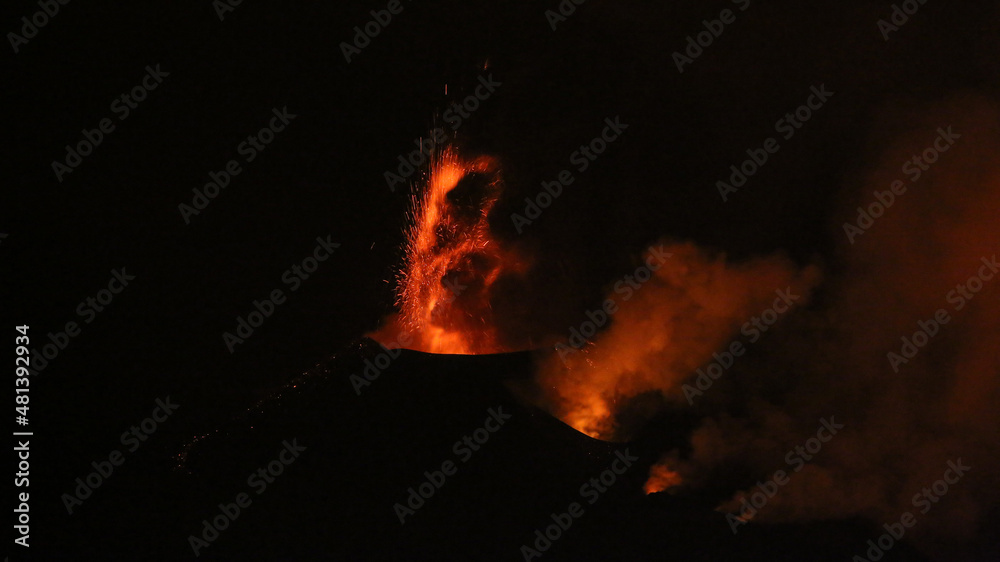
{"x": 452, "y": 261}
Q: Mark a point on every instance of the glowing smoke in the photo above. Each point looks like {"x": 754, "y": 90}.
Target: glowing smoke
{"x": 830, "y": 358}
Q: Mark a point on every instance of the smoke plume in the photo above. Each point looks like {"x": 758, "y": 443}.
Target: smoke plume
{"x": 904, "y": 418}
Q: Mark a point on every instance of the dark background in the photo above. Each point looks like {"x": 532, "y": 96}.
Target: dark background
{"x": 323, "y": 175}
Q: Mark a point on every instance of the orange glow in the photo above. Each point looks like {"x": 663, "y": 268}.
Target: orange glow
{"x": 592, "y": 416}
{"x": 452, "y": 260}
{"x": 691, "y": 307}
{"x": 661, "y": 478}
{"x": 584, "y": 403}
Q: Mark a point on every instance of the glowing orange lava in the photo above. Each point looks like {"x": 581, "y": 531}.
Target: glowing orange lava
{"x": 586, "y": 408}
{"x": 661, "y": 478}
{"x": 452, "y": 260}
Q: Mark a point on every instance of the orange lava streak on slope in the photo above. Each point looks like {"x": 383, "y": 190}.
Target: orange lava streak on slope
{"x": 661, "y": 478}
{"x": 452, "y": 260}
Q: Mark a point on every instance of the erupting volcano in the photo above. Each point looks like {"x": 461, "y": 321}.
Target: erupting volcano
{"x": 752, "y": 350}
{"x": 452, "y": 260}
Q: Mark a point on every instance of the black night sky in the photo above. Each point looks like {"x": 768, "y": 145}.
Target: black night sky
{"x": 104, "y": 260}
